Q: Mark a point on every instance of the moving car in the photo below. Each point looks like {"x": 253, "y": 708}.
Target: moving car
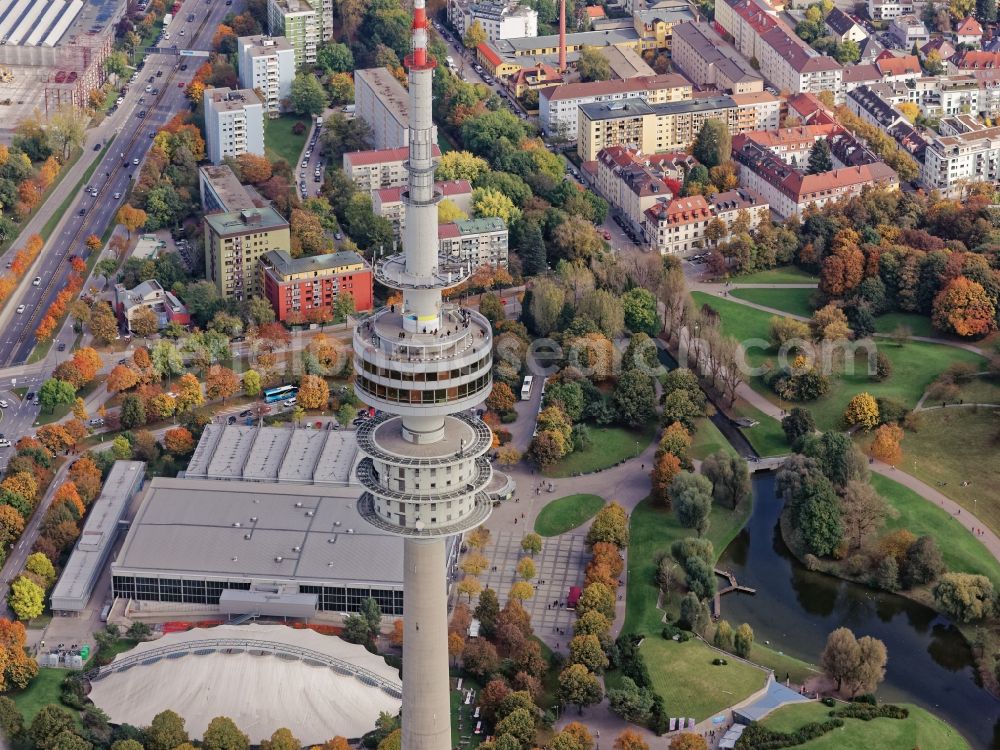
{"x": 3, "y": 404}
{"x": 37, "y": 281}
{"x": 117, "y": 196}
{"x": 4, "y": 443}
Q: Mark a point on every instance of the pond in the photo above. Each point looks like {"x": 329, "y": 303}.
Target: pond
{"x": 930, "y": 662}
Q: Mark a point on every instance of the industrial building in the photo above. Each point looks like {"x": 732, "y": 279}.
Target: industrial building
{"x": 76, "y": 584}
{"x": 263, "y": 517}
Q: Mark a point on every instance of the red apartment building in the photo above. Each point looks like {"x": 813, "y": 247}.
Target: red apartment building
{"x": 305, "y": 289}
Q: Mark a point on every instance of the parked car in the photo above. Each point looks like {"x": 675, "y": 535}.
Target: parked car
{"x": 37, "y": 281}
{"x": 96, "y": 422}
{"x": 61, "y": 347}
{"x": 3, "y": 404}
{"x": 4, "y": 443}
{"x": 231, "y": 420}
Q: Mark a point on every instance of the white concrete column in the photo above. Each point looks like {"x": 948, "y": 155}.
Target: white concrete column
{"x": 426, "y": 706}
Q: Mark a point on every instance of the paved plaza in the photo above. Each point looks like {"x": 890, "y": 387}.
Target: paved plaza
{"x": 560, "y": 566}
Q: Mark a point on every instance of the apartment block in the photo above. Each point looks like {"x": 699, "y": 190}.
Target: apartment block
{"x": 886, "y": 10}
{"x": 499, "y": 20}
{"x": 678, "y": 225}
{"x": 235, "y": 242}
{"x": 908, "y": 30}
{"x": 655, "y": 25}
{"x": 234, "y": 123}
{"x": 631, "y": 182}
{"x": 222, "y": 191}
{"x": 382, "y": 102}
{"x": 953, "y": 161}
{"x": 379, "y": 168}
{"x": 388, "y": 202}
{"x": 670, "y": 126}
{"x": 785, "y": 60}
{"x": 267, "y": 65}
{"x": 791, "y": 145}
{"x": 299, "y": 23}
{"x": 475, "y": 242}
{"x": 790, "y": 192}
{"x": 307, "y": 289}
{"x": 709, "y": 61}
{"x": 558, "y": 106}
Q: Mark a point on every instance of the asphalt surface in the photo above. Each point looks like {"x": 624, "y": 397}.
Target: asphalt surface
{"x": 116, "y": 170}
{"x": 306, "y": 183}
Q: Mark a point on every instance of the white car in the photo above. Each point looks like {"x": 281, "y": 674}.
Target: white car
{"x": 20, "y": 309}
{"x": 148, "y": 88}
{"x": 291, "y": 402}
{"x": 4, "y": 443}
{"x": 117, "y": 196}
{"x": 3, "y": 404}
{"x": 37, "y": 281}
{"x": 135, "y": 162}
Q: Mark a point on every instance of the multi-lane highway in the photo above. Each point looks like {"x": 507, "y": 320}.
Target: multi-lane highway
{"x": 118, "y": 167}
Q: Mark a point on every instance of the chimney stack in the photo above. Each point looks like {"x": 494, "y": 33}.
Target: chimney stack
{"x": 562, "y": 36}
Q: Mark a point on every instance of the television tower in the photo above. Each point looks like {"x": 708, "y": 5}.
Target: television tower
{"x": 425, "y": 364}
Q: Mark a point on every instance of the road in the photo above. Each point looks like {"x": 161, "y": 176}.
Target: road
{"x": 308, "y": 186}
{"x": 114, "y": 174}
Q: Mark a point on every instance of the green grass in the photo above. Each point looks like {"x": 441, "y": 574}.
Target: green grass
{"x": 281, "y": 143}
{"x": 567, "y": 513}
{"x": 783, "y": 275}
{"x": 920, "y": 729}
{"x": 962, "y": 551}
{"x": 708, "y": 440}
{"x": 767, "y": 437}
{"x": 980, "y": 390}
{"x": 49, "y": 226}
{"x": 955, "y": 446}
{"x": 796, "y": 670}
{"x": 458, "y": 708}
{"x": 653, "y": 530}
{"x": 793, "y": 301}
{"x": 61, "y": 411}
{"x": 41, "y": 691}
{"x": 690, "y": 684}
{"x": 609, "y": 446}
{"x": 920, "y": 325}
{"x": 915, "y": 364}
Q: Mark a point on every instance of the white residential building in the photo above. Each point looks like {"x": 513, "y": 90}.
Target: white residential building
{"x": 382, "y": 102}
{"x": 234, "y": 123}
{"x": 386, "y": 168}
{"x": 886, "y": 10}
{"x": 267, "y": 65}
{"x": 845, "y": 28}
{"x": 499, "y": 20}
{"x": 953, "y": 161}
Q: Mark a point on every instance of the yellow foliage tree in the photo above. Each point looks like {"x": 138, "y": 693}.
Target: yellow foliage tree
{"x": 862, "y": 411}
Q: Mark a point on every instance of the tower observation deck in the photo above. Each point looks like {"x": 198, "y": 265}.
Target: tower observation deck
{"x": 424, "y": 363}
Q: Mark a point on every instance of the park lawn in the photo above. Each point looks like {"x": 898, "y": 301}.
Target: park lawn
{"x": 920, "y": 325}
{"x": 793, "y": 300}
{"x": 281, "y": 143}
{"x": 796, "y": 670}
{"x": 915, "y": 364}
{"x": 782, "y": 275}
{"x": 957, "y": 445}
{"x": 683, "y": 674}
{"x": 961, "y": 551}
{"x": 980, "y": 390}
{"x": 41, "y": 691}
{"x": 707, "y": 439}
{"x": 567, "y": 513}
{"x": 767, "y": 437}
{"x": 465, "y": 733}
{"x": 609, "y": 446}
{"x": 920, "y": 729}
{"x": 653, "y": 529}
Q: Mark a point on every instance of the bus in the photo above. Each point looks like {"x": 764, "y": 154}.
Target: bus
{"x": 279, "y": 393}
{"x": 526, "y": 388}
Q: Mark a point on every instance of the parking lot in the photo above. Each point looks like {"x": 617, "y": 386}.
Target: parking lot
{"x": 311, "y": 166}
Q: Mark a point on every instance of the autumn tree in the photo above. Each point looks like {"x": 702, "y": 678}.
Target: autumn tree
{"x": 579, "y": 686}
{"x": 313, "y": 392}
{"x": 531, "y": 543}
{"x": 144, "y": 322}
{"x": 86, "y": 477}
{"x": 131, "y": 218}
{"x": 501, "y": 398}
{"x": 121, "y": 378}
{"x": 27, "y": 599}
{"x": 469, "y": 586}
{"x": 178, "y": 441}
{"x": 964, "y": 596}
{"x": 221, "y": 382}
{"x": 189, "y": 393}
{"x": 885, "y": 444}
{"x": 18, "y": 668}
{"x": 862, "y": 411}
{"x": 665, "y": 469}
{"x": 964, "y": 308}
{"x": 223, "y": 734}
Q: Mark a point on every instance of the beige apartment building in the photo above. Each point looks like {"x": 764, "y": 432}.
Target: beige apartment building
{"x": 708, "y": 60}
{"x": 235, "y": 243}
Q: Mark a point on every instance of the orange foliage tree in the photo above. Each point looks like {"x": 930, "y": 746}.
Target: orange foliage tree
{"x": 87, "y": 478}
{"x": 66, "y": 493}
{"x": 964, "y": 308}
{"x": 178, "y": 441}
{"x": 885, "y": 444}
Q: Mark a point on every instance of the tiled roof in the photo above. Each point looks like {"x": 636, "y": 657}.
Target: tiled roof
{"x": 606, "y": 88}
{"x": 786, "y": 136}
{"x": 840, "y": 22}
{"x": 855, "y": 73}
{"x": 595, "y": 11}
{"x": 489, "y": 53}
{"x": 449, "y": 188}
{"x": 796, "y": 52}
{"x": 381, "y": 156}
{"x": 898, "y": 66}
{"x": 969, "y": 27}
{"x": 681, "y": 210}
{"x": 976, "y": 60}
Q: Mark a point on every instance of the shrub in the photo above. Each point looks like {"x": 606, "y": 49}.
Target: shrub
{"x": 867, "y": 711}
{"x": 757, "y": 737}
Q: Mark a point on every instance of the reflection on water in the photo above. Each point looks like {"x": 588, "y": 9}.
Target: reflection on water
{"x": 795, "y": 609}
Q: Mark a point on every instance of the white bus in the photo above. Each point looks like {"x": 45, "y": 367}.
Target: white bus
{"x": 526, "y": 388}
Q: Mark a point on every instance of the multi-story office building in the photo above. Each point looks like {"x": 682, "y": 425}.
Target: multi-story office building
{"x": 475, "y": 242}
{"x": 304, "y": 289}
{"x": 234, "y": 123}
{"x": 671, "y": 126}
{"x": 500, "y": 20}
{"x": 382, "y": 168}
{"x": 300, "y": 24}
{"x": 235, "y": 242}
{"x": 709, "y": 61}
{"x": 267, "y": 65}
{"x": 558, "y": 106}
{"x": 382, "y": 102}
{"x": 954, "y": 161}
{"x": 785, "y": 60}
{"x": 221, "y": 191}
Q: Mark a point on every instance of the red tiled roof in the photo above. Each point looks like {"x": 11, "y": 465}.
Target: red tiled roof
{"x": 448, "y": 231}
{"x": 449, "y": 188}
{"x": 787, "y": 136}
{"x": 489, "y": 53}
{"x": 977, "y": 60}
{"x": 969, "y": 27}
{"x": 379, "y": 156}
{"x": 855, "y": 73}
{"x": 898, "y": 66}
{"x": 681, "y": 210}
{"x": 603, "y": 88}
{"x": 596, "y": 11}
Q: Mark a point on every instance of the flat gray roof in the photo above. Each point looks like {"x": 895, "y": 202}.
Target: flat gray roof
{"x": 589, "y": 38}
{"x": 274, "y": 453}
{"x": 198, "y": 528}
{"x": 637, "y": 107}
{"x": 76, "y": 583}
